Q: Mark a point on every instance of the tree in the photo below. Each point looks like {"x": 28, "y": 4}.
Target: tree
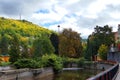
{"x": 102, "y": 51}
{"x": 70, "y": 44}
{"x": 101, "y": 35}
{"x": 55, "y": 41}
{"x": 24, "y": 47}
{"x": 4, "y": 43}
{"x": 42, "y": 46}
{"x": 89, "y": 49}
{"x": 14, "y": 48}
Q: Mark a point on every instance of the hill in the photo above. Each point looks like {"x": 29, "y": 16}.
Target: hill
{"x": 22, "y": 27}
{"x": 23, "y": 39}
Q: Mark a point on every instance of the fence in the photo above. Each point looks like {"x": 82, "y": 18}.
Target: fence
{"x": 109, "y": 74}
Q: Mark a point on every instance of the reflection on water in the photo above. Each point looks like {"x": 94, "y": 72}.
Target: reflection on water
{"x": 75, "y": 74}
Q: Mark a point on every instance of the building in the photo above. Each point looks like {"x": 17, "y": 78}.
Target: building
{"x": 117, "y": 37}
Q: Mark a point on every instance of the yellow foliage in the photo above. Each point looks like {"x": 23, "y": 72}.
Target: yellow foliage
{"x": 103, "y": 50}
{"x": 23, "y": 27}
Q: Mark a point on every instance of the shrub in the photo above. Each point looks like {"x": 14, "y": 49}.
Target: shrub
{"x": 79, "y": 61}
{"x": 27, "y": 63}
{"x": 5, "y": 63}
{"x": 52, "y": 60}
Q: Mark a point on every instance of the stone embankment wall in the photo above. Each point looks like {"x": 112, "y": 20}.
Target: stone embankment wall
{"x": 26, "y": 74}
{"x": 114, "y": 57}
{"x": 92, "y": 65}
{"x": 98, "y": 65}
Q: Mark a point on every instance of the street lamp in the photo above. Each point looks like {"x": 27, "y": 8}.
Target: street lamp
{"x": 58, "y": 28}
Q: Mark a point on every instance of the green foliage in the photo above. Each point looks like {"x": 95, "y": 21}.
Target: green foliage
{"x": 55, "y": 42}
{"x": 103, "y": 50}
{"x": 18, "y": 36}
{"x": 27, "y": 63}
{"x": 24, "y": 28}
{"x": 84, "y": 45}
{"x": 14, "y": 50}
{"x": 4, "y": 44}
{"x": 70, "y": 44}
{"x": 52, "y": 60}
{"x": 4, "y": 63}
{"x": 42, "y": 46}
{"x": 101, "y": 35}
{"x": 76, "y": 60}
{"x": 79, "y": 61}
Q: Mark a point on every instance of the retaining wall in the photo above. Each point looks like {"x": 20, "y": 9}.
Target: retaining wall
{"x": 26, "y": 74}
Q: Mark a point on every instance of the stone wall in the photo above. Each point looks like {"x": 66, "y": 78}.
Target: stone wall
{"x": 98, "y": 66}
{"x": 26, "y": 74}
{"x": 114, "y": 57}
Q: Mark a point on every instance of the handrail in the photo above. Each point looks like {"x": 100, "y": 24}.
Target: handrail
{"x": 107, "y": 74}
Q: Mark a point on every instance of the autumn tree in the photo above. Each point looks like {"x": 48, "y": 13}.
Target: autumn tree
{"x": 70, "y": 43}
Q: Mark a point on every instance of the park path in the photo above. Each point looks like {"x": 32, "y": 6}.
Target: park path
{"x": 118, "y": 75}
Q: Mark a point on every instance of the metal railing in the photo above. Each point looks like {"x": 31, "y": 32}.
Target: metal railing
{"x": 108, "y": 74}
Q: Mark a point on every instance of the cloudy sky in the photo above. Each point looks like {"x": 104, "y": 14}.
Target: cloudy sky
{"x": 80, "y": 15}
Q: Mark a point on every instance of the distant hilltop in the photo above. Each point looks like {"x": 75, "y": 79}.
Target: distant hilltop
{"x": 22, "y": 27}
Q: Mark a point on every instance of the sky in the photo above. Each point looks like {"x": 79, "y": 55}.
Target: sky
{"x": 80, "y": 15}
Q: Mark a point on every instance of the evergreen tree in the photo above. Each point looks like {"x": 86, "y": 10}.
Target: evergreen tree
{"x": 4, "y": 43}
{"x": 42, "y": 46}
{"x": 15, "y": 48}
{"x": 55, "y": 42}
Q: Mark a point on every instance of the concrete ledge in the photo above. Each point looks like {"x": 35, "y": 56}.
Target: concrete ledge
{"x": 25, "y": 74}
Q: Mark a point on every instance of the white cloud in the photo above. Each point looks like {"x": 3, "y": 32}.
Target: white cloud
{"x": 96, "y": 7}
{"x": 80, "y": 15}
{"x": 115, "y": 14}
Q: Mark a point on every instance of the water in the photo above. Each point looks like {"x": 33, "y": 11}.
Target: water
{"x": 66, "y": 74}
{"x": 79, "y": 74}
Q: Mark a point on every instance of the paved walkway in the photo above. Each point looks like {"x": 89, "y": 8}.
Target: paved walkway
{"x": 118, "y": 76}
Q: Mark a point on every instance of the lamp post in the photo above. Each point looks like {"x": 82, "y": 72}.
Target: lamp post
{"x": 58, "y": 28}
{"x": 58, "y": 33}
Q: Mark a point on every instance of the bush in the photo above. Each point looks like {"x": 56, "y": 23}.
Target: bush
{"x": 79, "y": 61}
{"x": 46, "y": 61}
{"x": 27, "y": 63}
{"x": 5, "y": 63}
{"x": 52, "y": 60}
